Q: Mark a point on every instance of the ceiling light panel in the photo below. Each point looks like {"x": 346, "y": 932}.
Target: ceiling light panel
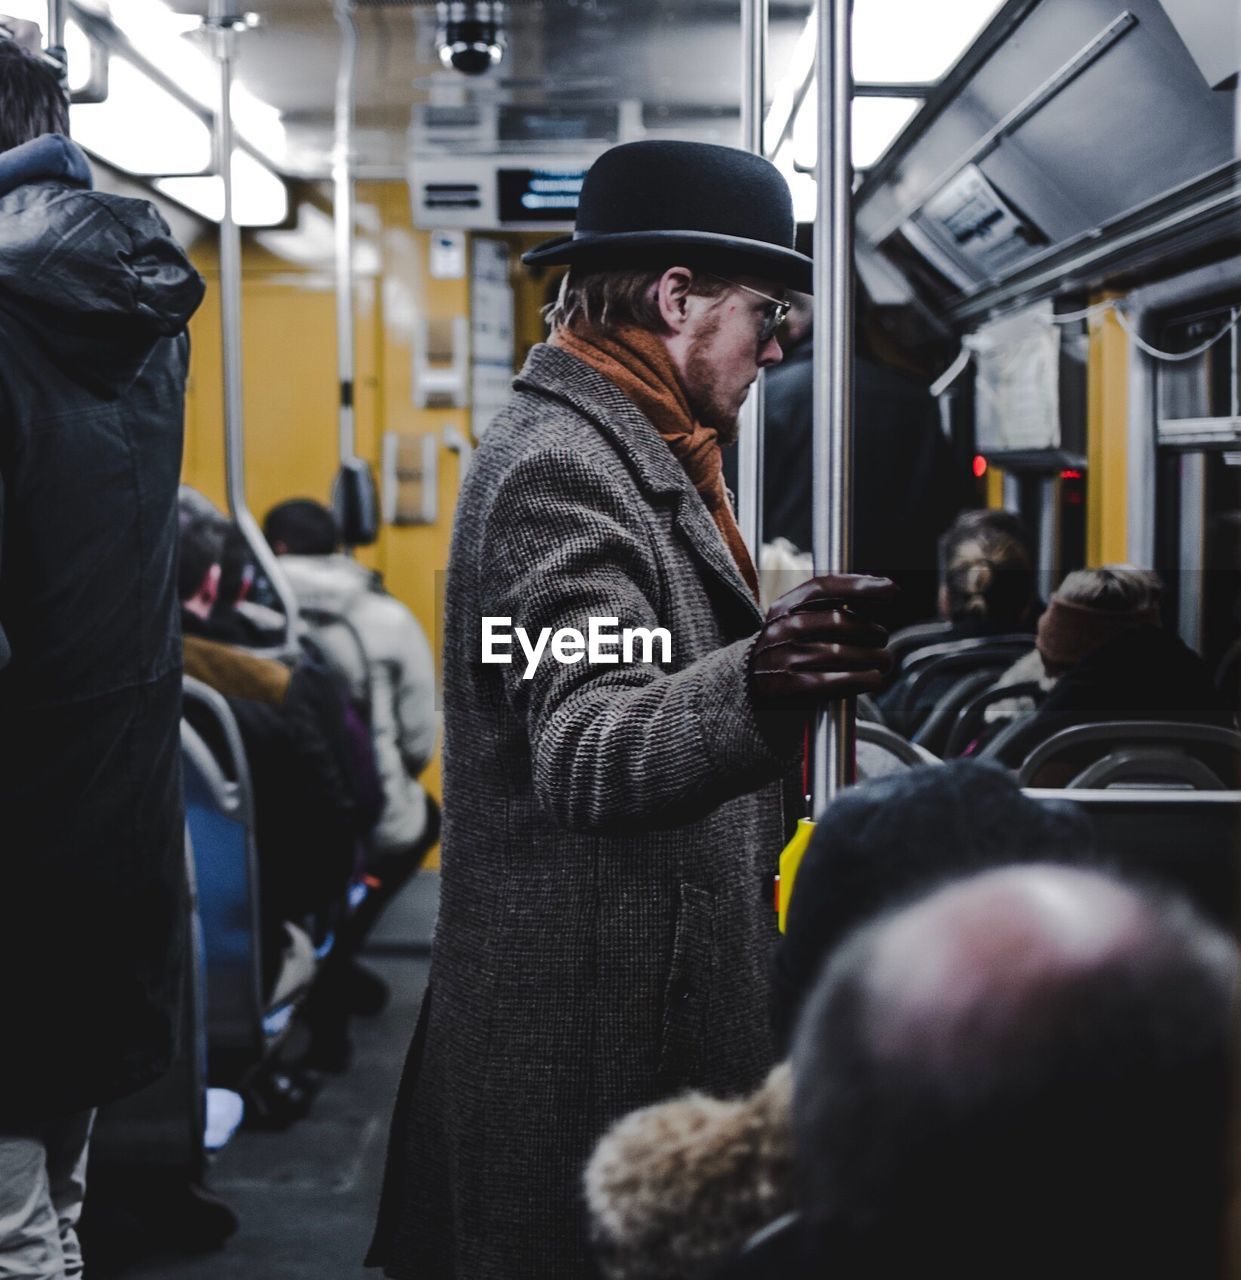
{"x": 140, "y": 127}
{"x": 914, "y": 41}
{"x": 260, "y": 198}
{"x": 876, "y": 123}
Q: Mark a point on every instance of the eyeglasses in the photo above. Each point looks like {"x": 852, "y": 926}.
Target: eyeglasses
{"x": 774, "y": 315}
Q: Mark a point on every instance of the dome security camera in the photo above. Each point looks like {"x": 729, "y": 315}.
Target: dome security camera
{"x": 470, "y": 34}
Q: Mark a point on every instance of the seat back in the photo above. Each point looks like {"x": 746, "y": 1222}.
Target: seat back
{"x": 890, "y": 748}
{"x": 1186, "y": 841}
{"x": 910, "y": 639}
{"x": 934, "y": 674}
{"x": 355, "y": 503}
{"x": 868, "y": 709}
{"x": 1013, "y": 646}
{"x": 971, "y": 716}
{"x": 219, "y": 810}
{"x": 933, "y": 733}
{"x": 1139, "y": 753}
{"x": 1228, "y": 671}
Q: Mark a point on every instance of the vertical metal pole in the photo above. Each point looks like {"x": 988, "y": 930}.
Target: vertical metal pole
{"x": 55, "y": 40}
{"x": 1048, "y": 572}
{"x": 342, "y": 205}
{"x": 224, "y": 41}
{"x": 55, "y": 24}
{"x": 833, "y": 365}
{"x": 1192, "y": 560}
{"x": 750, "y": 438}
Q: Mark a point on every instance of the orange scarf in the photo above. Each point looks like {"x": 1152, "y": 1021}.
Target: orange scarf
{"x": 640, "y": 366}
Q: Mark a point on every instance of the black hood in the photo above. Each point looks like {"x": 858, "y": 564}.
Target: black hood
{"x": 96, "y": 278}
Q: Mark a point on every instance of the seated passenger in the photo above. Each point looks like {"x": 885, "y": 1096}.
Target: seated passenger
{"x": 987, "y": 588}
{"x": 1101, "y": 640}
{"x": 677, "y": 1187}
{"x": 377, "y": 642}
{"x": 234, "y": 616}
{"x": 251, "y": 624}
{"x": 305, "y": 813}
{"x": 1025, "y": 1075}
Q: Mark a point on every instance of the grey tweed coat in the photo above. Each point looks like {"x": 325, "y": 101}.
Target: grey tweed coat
{"x": 610, "y": 834}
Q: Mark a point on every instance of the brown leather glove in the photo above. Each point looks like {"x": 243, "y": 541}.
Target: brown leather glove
{"x": 815, "y": 645}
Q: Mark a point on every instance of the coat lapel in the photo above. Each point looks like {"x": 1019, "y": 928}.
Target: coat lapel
{"x": 634, "y": 438}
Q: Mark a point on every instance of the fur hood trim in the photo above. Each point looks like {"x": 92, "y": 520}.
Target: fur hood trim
{"x": 676, "y": 1188}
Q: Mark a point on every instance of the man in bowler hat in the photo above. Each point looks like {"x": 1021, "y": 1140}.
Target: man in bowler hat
{"x": 611, "y": 827}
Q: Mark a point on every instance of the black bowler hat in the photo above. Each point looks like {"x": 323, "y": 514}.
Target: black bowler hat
{"x": 716, "y": 207}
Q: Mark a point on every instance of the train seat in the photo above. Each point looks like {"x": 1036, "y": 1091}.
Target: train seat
{"x": 933, "y": 734}
{"x": 934, "y": 671}
{"x": 1188, "y": 841}
{"x": 868, "y": 709}
{"x": 1137, "y": 753}
{"x": 242, "y": 1028}
{"x": 970, "y": 723}
{"x": 882, "y": 751}
{"x": 909, "y": 640}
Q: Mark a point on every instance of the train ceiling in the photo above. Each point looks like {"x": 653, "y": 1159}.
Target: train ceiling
{"x": 677, "y": 63}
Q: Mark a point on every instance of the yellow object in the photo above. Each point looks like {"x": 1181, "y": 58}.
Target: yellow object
{"x": 995, "y": 488}
{"x": 790, "y": 860}
{"x": 290, "y": 394}
{"x": 1107, "y": 439}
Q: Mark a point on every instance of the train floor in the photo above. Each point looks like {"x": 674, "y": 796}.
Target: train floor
{"x": 306, "y": 1197}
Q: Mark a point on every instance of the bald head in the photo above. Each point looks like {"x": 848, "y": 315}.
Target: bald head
{"x": 1034, "y": 1055}
{"x": 987, "y": 966}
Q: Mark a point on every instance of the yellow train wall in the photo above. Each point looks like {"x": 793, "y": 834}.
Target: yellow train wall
{"x": 290, "y": 389}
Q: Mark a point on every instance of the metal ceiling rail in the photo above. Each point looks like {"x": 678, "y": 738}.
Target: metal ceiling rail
{"x": 104, "y": 32}
{"x": 1034, "y": 102}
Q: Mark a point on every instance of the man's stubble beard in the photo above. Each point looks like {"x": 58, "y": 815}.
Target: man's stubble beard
{"x": 701, "y": 390}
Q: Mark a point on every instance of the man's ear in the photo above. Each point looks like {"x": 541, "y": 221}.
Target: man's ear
{"x": 672, "y": 294}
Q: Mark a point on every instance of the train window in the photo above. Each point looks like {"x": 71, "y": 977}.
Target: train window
{"x": 1206, "y": 386}
{"x": 1199, "y": 551}
{"x": 1198, "y": 478}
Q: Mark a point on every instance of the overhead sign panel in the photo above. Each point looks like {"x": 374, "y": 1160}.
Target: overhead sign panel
{"x": 539, "y": 195}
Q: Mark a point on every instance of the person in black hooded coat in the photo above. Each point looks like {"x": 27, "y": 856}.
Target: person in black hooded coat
{"x": 94, "y": 299}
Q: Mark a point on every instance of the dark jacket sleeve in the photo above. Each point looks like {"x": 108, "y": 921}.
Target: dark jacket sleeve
{"x": 303, "y": 812}
{"x": 5, "y": 652}
{"x": 613, "y": 747}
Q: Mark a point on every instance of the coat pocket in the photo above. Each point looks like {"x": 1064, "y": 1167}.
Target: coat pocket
{"x": 687, "y": 991}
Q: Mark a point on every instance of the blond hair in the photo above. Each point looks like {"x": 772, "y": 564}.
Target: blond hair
{"x": 1115, "y": 588}
{"x": 604, "y": 301}
{"x": 986, "y": 568}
